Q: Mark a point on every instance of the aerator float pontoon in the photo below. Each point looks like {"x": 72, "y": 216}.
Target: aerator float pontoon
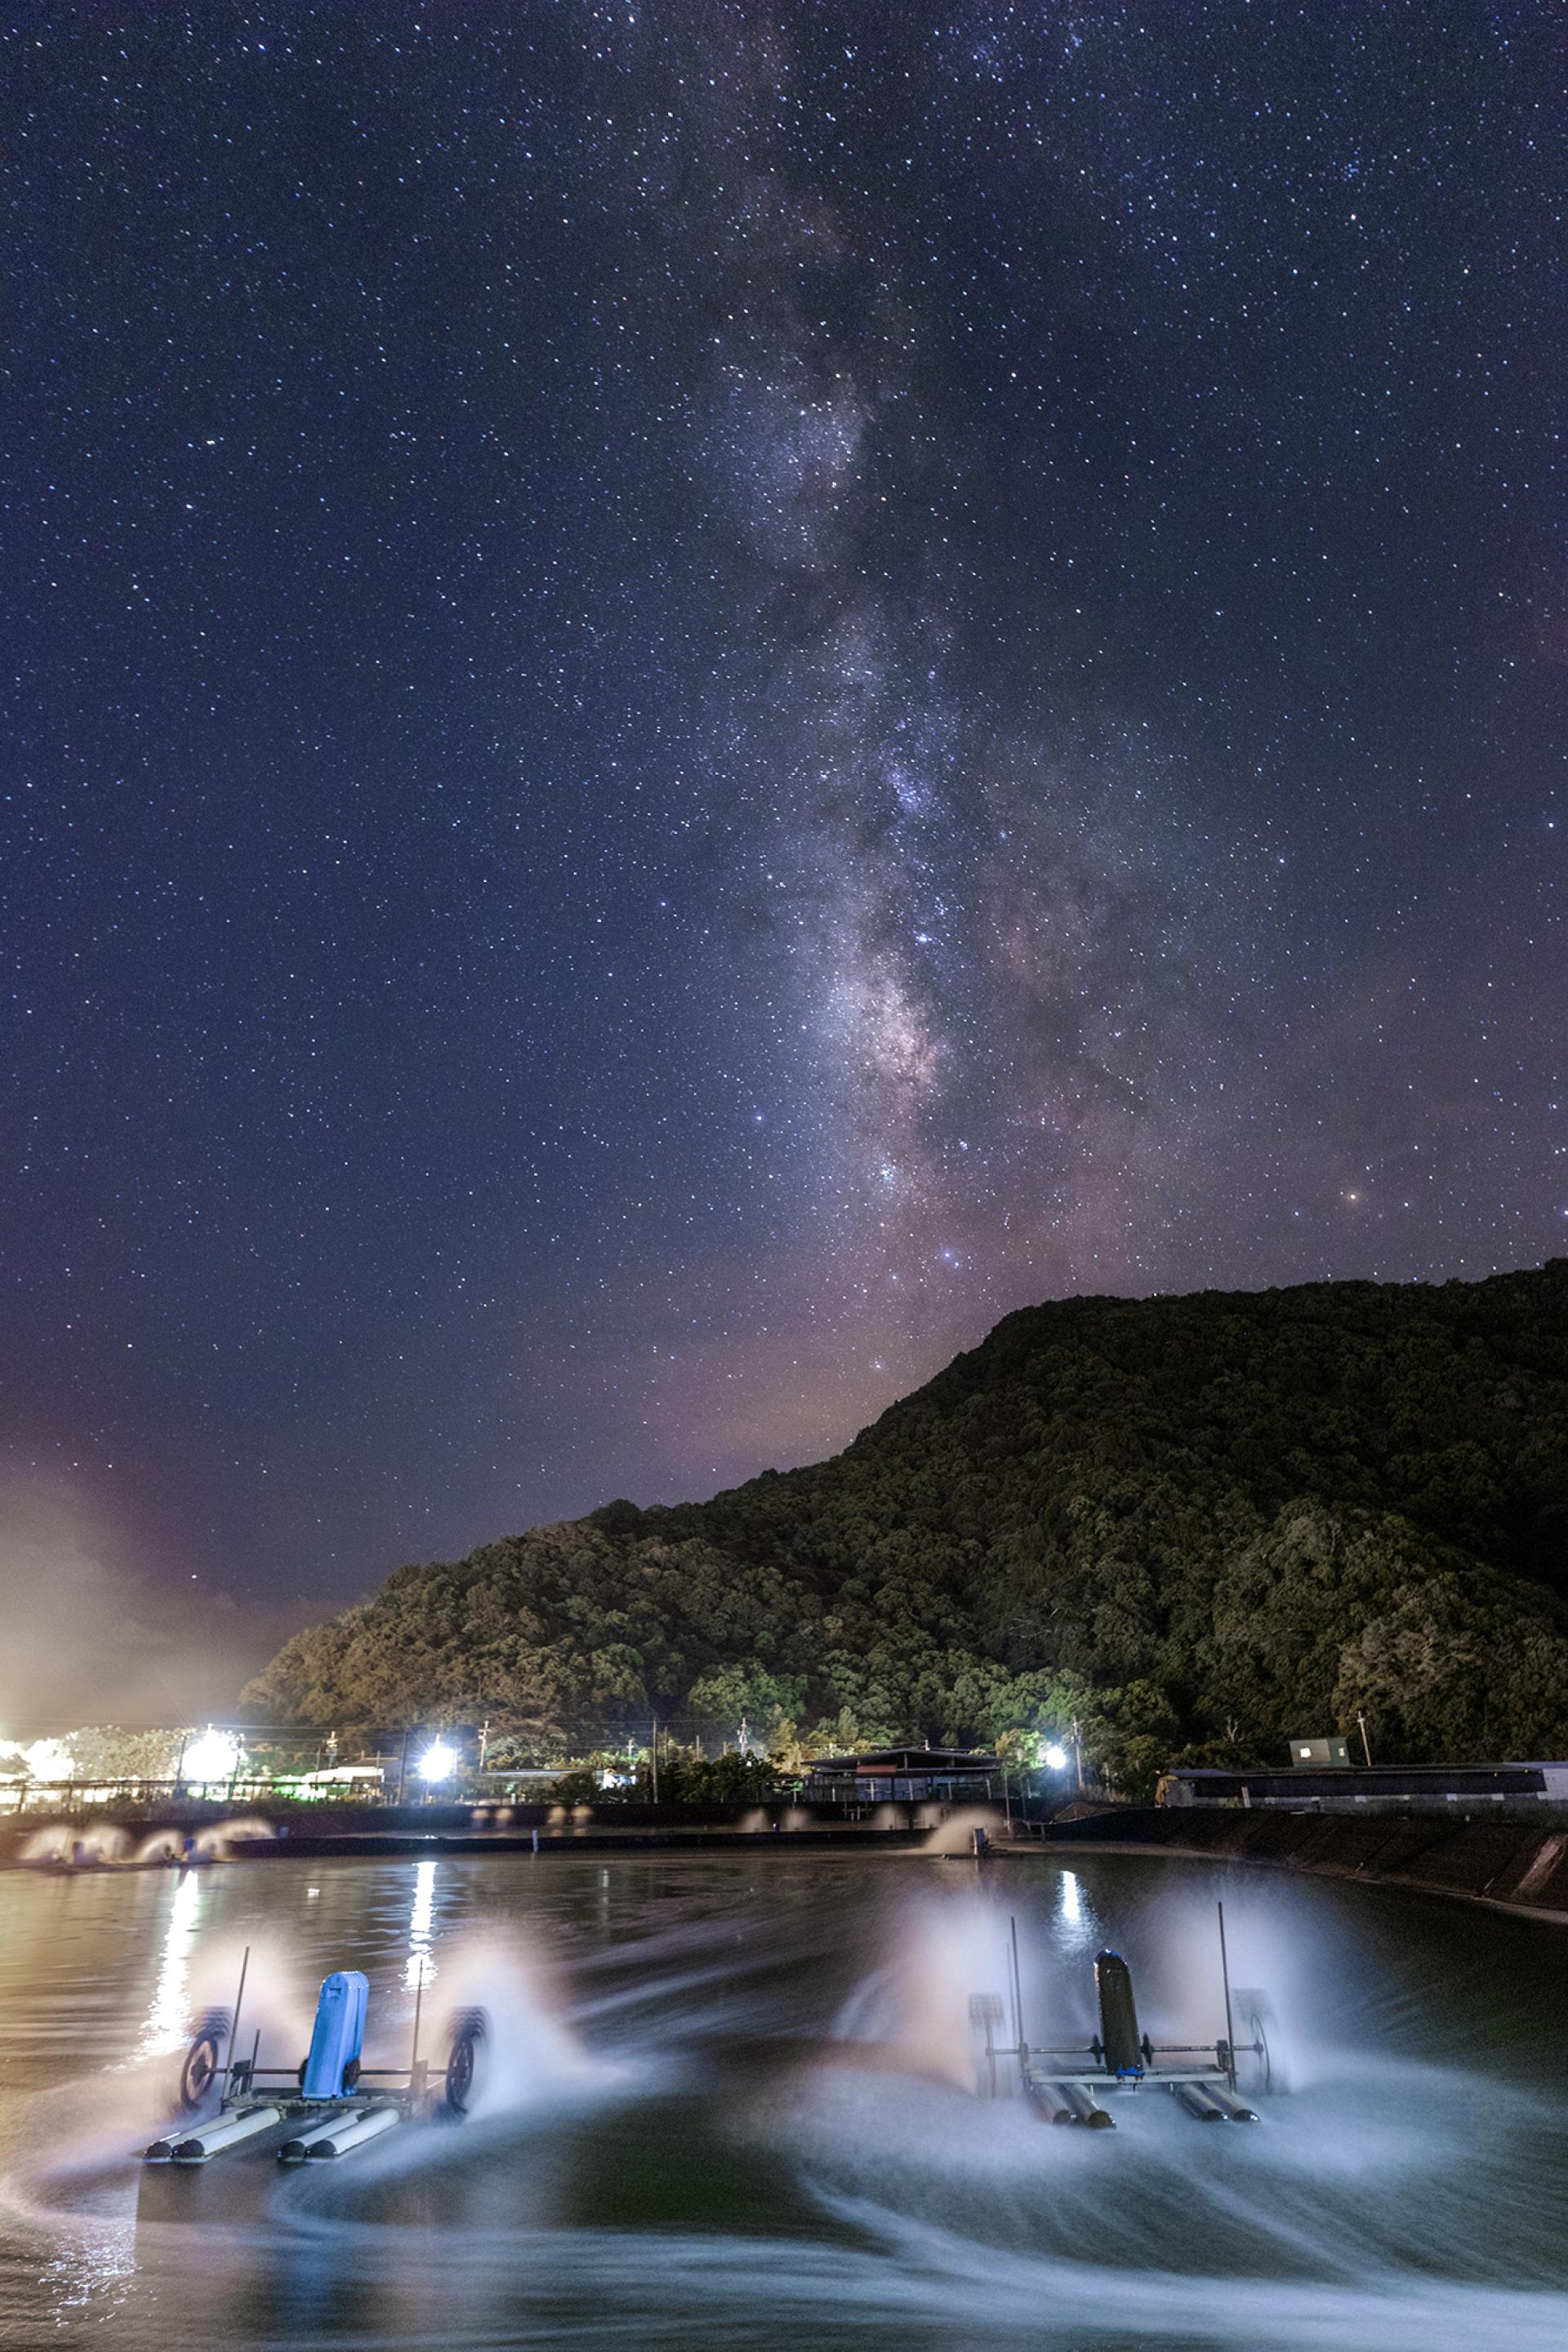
{"x": 1062, "y": 2087}
{"x": 328, "y": 2105}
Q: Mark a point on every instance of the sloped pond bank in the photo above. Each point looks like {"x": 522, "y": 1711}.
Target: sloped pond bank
{"x": 1518, "y": 1864}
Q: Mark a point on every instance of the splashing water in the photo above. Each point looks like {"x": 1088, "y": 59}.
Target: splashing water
{"x": 221, "y": 1837}
{"x": 532, "y": 2053}
{"x": 953, "y": 1832}
{"x": 98, "y": 1844}
{"x": 918, "y": 2006}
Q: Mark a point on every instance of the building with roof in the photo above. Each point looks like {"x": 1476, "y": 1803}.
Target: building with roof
{"x": 904, "y": 1775}
{"x": 1402, "y": 1788}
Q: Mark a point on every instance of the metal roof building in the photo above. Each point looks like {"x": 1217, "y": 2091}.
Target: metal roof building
{"x": 1388, "y": 1787}
{"x": 904, "y": 1776}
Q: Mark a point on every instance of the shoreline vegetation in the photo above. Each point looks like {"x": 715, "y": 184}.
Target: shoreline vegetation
{"x": 1191, "y": 1527}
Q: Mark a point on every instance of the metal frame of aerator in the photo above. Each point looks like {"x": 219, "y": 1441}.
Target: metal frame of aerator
{"x": 249, "y": 2090}
{"x": 1216, "y": 2078}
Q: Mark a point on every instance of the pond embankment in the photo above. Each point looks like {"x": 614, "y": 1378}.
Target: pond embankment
{"x": 1516, "y": 1862}
{"x": 281, "y": 1830}
{"x": 1509, "y": 1858}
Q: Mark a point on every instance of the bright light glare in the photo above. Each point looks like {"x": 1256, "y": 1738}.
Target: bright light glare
{"x": 42, "y": 1759}
{"x": 438, "y": 1762}
{"x": 1055, "y": 1757}
{"x": 213, "y": 1756}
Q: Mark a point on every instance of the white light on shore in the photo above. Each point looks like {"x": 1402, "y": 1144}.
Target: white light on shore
{"x": 1055, "y": 1757}
{"x": 438, "y": 1762}
{"x": 213, "y": 1756}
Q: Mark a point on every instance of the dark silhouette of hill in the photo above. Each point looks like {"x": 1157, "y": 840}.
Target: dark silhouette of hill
{"x": 1196, "y": 1525}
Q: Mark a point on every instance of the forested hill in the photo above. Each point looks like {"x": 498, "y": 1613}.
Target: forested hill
{"x": 1198, "y": 1524}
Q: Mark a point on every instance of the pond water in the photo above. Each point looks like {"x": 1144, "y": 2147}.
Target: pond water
{"x": 733, "y": 2103}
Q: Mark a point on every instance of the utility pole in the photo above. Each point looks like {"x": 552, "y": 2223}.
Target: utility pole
{"x": 1365, "y": 1743}
{"x": 402, "y": 1764}
{"x": 653, "y": 1759}
{"x": 1078, "y": 1757}
{"x": 484, "y": 1741}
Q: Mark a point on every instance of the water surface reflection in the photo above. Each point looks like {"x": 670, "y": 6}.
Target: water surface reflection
{"x": 738, "y": 2106}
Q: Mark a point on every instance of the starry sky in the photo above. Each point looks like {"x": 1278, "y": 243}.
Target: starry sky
{"x": 700, "y": 693}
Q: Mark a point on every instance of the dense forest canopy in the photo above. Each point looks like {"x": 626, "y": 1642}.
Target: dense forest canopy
{"x": 1196, "y": 1526}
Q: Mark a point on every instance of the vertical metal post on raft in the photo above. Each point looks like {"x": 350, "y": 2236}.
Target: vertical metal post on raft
{"x": 234, "y": 2026}
{"x": 418, "y": 1997}
{"x": 1017, "y": 1996}
{"x": 1224, "y": 1978}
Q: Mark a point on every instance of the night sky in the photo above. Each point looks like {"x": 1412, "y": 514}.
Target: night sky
{"x": 697, "y": 694}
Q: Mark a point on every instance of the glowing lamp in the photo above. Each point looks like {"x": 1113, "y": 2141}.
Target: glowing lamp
{"x": 1055, "y": 1757}
{"x": 438, "y": 1762}
{"x": 213, "y": 1756}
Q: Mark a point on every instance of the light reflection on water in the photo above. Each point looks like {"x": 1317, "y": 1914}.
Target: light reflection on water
{"x": 738, "y": 2108}
{"x": 419, "y": 1972}
{"x": 169, "y": 2021}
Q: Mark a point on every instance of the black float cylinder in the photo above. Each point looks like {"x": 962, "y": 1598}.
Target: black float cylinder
{"x": 1118, "y": 2014}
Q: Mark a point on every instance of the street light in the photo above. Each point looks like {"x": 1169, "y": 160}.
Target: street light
{"x": 1055, "y": 1757}
{"x": 438, "y": 1762}
{"x": 213, "y": 1756}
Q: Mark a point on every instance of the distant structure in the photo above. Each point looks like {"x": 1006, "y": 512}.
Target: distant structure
{"x": 1362, "y": 1789}
{"x": 904, "y": 1776}
{"x": 1324, "y": 1753}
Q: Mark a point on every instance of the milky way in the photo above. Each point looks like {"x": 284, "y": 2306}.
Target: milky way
{"x": 704, "y": 693}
